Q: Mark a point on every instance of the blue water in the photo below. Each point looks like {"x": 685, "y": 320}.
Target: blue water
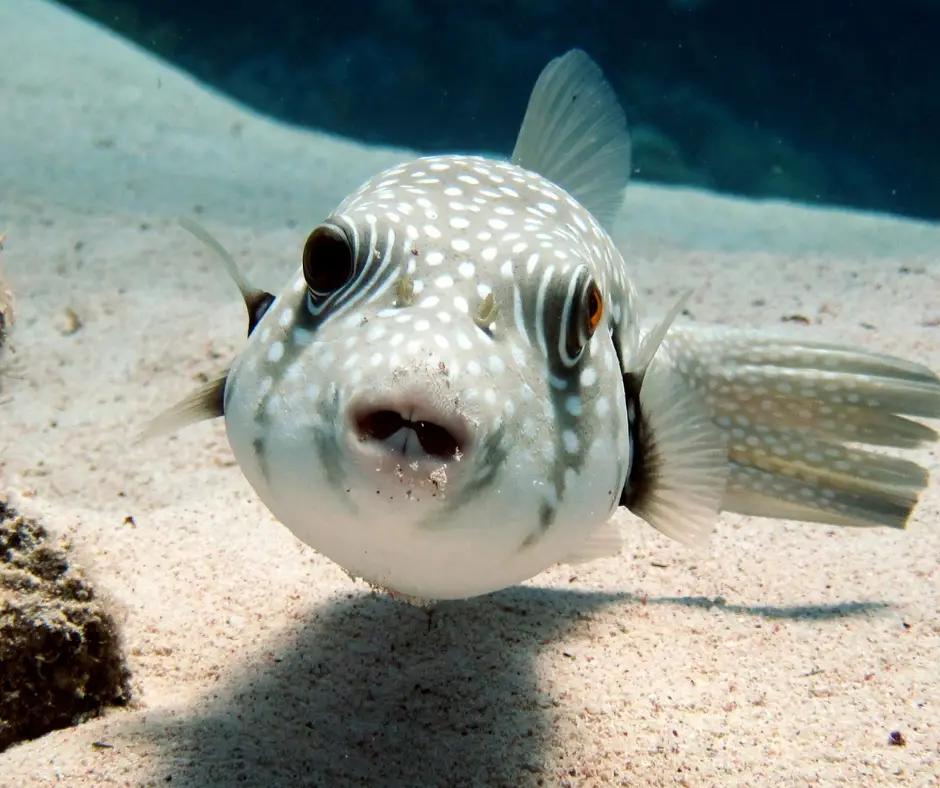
{"x": 831, "y": 102}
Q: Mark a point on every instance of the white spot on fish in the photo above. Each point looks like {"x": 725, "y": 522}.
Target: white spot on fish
{"x": 374, "y": 333}
{"x": 570, "y": 439}
{"x": 528, "y": 427}
{"x": 276, "y": 352}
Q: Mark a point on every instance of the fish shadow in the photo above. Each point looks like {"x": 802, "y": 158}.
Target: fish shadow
{"x": 369, "y": 693}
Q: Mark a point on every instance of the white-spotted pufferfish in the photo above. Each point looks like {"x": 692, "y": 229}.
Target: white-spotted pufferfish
{"x": 456, "y": 391}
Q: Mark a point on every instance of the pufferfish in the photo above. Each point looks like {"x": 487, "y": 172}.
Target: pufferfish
{"x": 457, "y": 389}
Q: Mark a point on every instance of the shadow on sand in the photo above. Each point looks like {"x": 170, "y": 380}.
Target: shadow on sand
{"x": 369, "y": 694}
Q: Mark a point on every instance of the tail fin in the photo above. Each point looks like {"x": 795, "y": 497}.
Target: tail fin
{"x": 797, "y": 414}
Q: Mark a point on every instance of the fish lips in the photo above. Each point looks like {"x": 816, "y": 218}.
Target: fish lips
{"x": 409, "y": 426}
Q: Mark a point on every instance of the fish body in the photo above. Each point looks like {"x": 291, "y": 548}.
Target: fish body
{"x": 319, "y": 406}
{"x": 457, "y": 388}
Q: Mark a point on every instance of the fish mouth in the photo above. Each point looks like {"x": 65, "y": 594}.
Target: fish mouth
{"x": 409, "y": 429}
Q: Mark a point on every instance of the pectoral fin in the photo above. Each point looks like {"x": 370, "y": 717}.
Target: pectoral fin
{"x": 205, "y": 403}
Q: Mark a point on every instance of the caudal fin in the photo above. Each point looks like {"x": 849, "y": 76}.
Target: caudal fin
{"x": 798, "y": 415}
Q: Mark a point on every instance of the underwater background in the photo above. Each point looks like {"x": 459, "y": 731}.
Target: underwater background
{"x": 832, "y": 102}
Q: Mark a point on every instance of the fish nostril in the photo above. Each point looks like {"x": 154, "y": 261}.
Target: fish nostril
{"x": 436, "y": 440}
{"x": 380, "y": 425}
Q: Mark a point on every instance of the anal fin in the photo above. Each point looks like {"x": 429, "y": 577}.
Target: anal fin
{"x": 604, "y": 542}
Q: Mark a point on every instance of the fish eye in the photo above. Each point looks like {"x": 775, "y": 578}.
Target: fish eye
{"x": 585, "y": 312}
{"x": 328, "y": 262}
{"x": 595, "y": 310}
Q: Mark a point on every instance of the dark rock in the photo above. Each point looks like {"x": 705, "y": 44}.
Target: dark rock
{"x": 61, "y": 659}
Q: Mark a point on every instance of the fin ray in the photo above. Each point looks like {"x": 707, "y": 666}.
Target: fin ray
{"x": 681, "y": 470}
{"x": 798, "y": 416}
{"x": 604, "y": 542}
{"x": 654, "y": 338}
{"x": 203, "y": 404}
{"x": 257, "y": 301}
{"x": 574, "y": 133}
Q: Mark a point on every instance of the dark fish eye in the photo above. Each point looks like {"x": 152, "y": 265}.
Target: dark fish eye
{"x": 328, "y": 262}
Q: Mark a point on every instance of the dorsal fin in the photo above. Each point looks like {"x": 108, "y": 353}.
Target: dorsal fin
{"x": 651, "y": 342}
{"x": 256, "y": 300}
{"x": 575, "y": 134}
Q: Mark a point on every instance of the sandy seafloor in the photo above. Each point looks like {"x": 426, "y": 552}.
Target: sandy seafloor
{"x": 785, "y": 655}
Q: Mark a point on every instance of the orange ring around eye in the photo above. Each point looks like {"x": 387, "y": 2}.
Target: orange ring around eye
{"x": 595, "y": 309}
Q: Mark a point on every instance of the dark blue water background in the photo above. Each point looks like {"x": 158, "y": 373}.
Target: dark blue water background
{"x": 829, "y": 102}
